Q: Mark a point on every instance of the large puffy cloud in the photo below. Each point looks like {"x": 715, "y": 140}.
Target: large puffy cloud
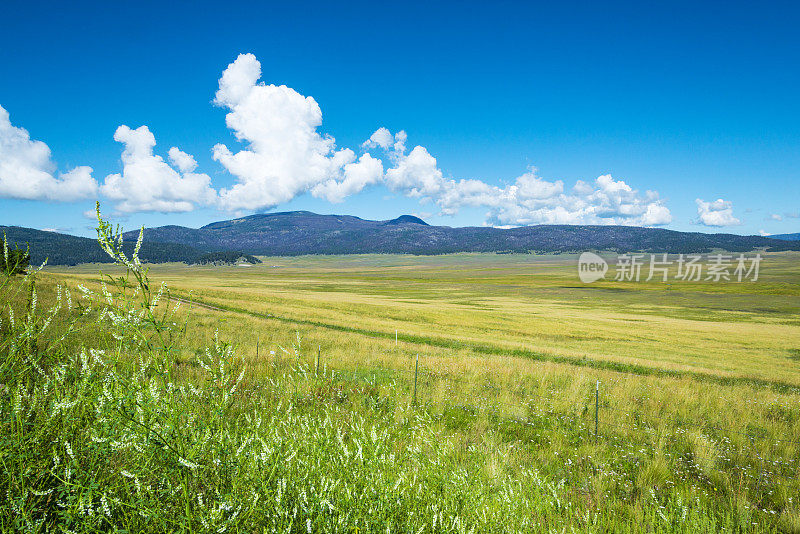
{"x": 716, "y": 213}
{"x": 27, "y": 170}
{"x": 284, "y": 155}
{"x": 148, "y": 183}
{"x": 530, "y": 199}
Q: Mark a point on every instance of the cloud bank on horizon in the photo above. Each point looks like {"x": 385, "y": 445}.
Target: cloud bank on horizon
{"x": 282, "y": 155}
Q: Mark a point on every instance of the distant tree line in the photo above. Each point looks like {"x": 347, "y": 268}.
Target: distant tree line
{"x": 62, "y": 249}
{"x": 228, "y": 257}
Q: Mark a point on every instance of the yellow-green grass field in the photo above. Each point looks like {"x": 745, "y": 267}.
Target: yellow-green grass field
{"x": 448, "y": 308}
{"x": 698, "y": 383}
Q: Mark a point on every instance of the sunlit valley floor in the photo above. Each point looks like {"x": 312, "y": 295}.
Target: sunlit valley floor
{"x": 604, "y": 406}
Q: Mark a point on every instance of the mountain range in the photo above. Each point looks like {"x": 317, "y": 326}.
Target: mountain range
{"x": 301, "y": 232}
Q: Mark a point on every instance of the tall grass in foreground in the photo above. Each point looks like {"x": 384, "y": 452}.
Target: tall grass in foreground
{"x": 104, "y": 429}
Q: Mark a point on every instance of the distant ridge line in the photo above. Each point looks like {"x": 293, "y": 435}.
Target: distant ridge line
{"x": 295, "y": 233}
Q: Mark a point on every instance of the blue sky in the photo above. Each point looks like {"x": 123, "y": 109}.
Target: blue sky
{"x": 696, "y": 103}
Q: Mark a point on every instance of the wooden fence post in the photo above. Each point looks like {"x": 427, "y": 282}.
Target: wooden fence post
{"x": 416, "y": 372}
{"x": 596, "y": 408}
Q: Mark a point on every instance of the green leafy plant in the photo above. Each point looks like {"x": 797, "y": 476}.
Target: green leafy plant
{"x": 13, "y": 261}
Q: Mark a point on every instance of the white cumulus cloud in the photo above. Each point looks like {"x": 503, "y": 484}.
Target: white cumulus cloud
{"x": 416, "y": 174}
{"x": 284, "y": 154}
{"x": 356, "y": 176}
{"x": 180, "y": 159}
{"x": 656, "y": 215}
{"x": 530, "y": 199}
{"x": 716, "y": 213}
{"x": 381, "y": 138}
{"x": 148, "y": 183}
{"x": 27, "y": 170}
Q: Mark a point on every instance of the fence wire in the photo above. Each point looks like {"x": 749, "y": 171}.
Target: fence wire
{"x": 754, "y": 462}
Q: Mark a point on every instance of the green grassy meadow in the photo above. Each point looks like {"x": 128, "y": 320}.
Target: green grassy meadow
{"x": 497, "y": 304}
{"x": 696, "y": 387}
